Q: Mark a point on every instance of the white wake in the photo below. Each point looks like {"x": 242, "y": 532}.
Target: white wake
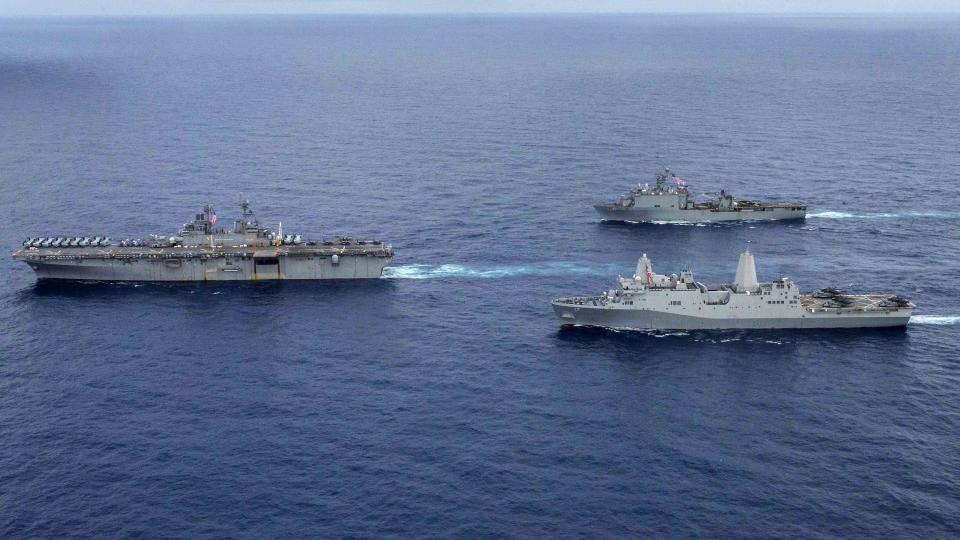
{"x": 427, "y": 271}
{"x": 935, "y": 319}
{"x": 829, "y": 214}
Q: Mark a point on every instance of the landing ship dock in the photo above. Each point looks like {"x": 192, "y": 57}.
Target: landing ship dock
{"x": 663, "y": 203}
{"x": 200, "y": 252}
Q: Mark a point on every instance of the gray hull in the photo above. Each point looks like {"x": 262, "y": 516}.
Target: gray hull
{"x": 211, "y": 269}
{"x": 636, "y": 319}
{"x": 696, "y": 215}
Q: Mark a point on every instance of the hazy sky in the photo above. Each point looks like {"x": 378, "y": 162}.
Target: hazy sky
{"x": 170, "y": 7}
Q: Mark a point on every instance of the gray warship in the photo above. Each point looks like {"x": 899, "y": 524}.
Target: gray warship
{"x": 200, "y": 251}
{"x": 649, "y": 301}
{"x": 674, "y": 203}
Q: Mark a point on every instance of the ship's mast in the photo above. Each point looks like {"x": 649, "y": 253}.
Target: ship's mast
{"x": 644, "y": 271}
{"x": 662, "y": 178}
{"x": 746, "y": 279}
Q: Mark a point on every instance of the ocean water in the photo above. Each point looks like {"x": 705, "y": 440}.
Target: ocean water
{"x": 443, "y": 400}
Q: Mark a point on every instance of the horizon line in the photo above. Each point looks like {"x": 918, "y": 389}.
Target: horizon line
{"x": 481, "y": 13}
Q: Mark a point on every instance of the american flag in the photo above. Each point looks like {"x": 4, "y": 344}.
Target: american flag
{"x": 679, "y": 181}
{"x": 213, "y": 218}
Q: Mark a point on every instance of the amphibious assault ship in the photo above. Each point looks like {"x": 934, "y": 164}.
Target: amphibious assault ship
{"x": 200, "y": 251}
{"x": 666, "y": 203}
{"x": 649, "y": 301}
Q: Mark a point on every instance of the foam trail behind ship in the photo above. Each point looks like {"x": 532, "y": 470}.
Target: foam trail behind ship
{"x": 830, "y": 214}
{"x": 935, "y": 319}
{"x": 448, "y": 271}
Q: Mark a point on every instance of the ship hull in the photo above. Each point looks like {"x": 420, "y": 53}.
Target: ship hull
{"x": 636, "y": 319}
{"x": 697, "y": 215}
{"x": 212, "y": 269}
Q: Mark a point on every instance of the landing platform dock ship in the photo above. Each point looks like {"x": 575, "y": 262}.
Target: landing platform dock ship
{"x": 666, "y": 203}
{"x": 649, "y": 301}
{"x": 202, "y": 252}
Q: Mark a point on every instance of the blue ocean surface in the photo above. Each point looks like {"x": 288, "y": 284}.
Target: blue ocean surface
{"x": 444, "y": 400}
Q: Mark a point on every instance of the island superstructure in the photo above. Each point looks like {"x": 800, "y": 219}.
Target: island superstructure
{"x": 200, "y": 251}
{"x": 650, "y": 301}
{"x": 674, "y": 203}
